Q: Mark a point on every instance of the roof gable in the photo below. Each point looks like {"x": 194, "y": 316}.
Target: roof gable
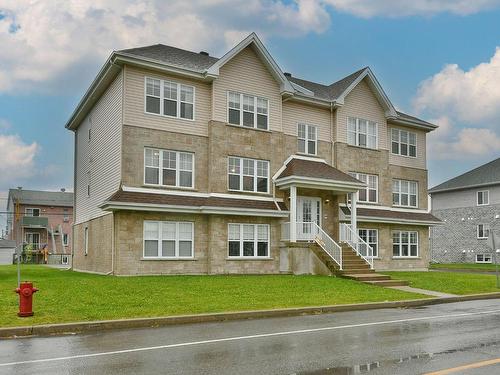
{"x": 261, "y": 51}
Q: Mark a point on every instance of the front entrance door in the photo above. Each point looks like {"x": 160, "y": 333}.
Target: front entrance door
{"x": 308, "y": 211}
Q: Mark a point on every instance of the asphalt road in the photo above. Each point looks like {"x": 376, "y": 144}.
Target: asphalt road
{"x": 390, "y": 341}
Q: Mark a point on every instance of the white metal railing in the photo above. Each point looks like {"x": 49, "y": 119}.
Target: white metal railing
{"x": 310, "y": 231}
{"x": 359, "y": 245}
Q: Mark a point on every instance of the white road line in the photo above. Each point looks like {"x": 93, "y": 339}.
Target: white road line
{"x": 237, "y": 338}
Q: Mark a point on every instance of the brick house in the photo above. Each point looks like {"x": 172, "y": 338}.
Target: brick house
{"x": 469, "y": 206}
{"x": 41, "y": 218}
{"x": 190, "y": 164}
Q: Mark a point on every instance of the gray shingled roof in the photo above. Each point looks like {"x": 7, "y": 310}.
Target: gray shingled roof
{"x": 405, "y": 116}
{"x": 42, "y": 198}
{"x": 330, "y": 92}
{"x": 486, "y": 174}
{"x": 173, "y": 56}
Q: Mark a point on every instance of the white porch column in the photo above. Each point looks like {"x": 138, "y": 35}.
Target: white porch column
{"x": 293, "y": 213}
{"x": 354, "y": 218}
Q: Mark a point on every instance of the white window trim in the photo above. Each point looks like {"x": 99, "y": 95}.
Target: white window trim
{"x": 255, "y": 242}
{"x": 357, "y": 133}
{"x": 32, "y": 208}
{"x": 486, "y": 227}
{"x": 86, "y": 240}
{"x": 307, "y": 140}
{"x": 409, "y": 245}
{"x": 255, "y": 99}
{"x": 162, "y": 97}
{"x": 407, "y": 143}
{"x": 160, "y": 239}
{"x": 254, "y": 175}
{"x": 401, "y": 193}
{"x": 177, "y": 169}
{"x": 484, "y": 261}
{"x": 483, "y": 193}
{"x": 376, "y": 231}
{"x": 356, "y": 175}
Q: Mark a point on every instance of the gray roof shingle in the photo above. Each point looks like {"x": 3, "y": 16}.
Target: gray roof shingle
{"x": 173, "y": 56}
{"x": 42, "y": 198}
{"x": 486, "y": 174}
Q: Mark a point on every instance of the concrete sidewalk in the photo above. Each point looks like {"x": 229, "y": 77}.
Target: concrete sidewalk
{"x": 423, "y": 291}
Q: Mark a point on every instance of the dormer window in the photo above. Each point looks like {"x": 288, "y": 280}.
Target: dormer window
{"x": 362, "y": 133}
{"x": 247, "y": 110}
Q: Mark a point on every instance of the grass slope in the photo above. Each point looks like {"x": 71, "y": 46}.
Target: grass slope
{"x": 67, "y": 296}
{"x": 464, "y": 266}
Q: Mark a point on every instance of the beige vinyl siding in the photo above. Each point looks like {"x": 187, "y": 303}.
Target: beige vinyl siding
{"x": 361, "y": 102}
{"x": 405, "y": 161}
{"x": 135, "y": 115}
{"x": 101, "y": 156}
{"x": 247, "y": 74}
{"x": 294, "y": 113}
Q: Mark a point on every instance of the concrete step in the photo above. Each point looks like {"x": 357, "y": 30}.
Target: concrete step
{"x": 358, "y": 262}
{"x": 388, "y": 283}
{"x": 367, "y": 277}
{"x": 353, "y": 271}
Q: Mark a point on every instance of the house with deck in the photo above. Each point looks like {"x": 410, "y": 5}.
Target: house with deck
{"x": 190, "y": 164}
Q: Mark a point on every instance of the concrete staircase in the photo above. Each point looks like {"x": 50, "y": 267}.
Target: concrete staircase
{"x": 356, "y": 268}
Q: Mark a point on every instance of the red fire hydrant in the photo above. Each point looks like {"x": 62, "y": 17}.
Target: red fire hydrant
{"x": 25, "y": 292}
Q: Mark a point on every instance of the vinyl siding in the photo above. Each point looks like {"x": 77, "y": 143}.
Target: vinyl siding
{"x": 135, "y": 115}
{"x": 464, "y": 198}
{"x": 100, "y": 156}
{"x": 294, "y": 113}
{"x": 361, "y": 102}
{"x": 420, "y": 160}
{"x": 247, "y": 74}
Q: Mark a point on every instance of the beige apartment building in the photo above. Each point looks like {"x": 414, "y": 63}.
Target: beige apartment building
{"x": 190, "y": 164}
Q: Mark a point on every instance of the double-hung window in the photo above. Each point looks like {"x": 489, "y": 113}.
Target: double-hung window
{"x": 248, "y": 175}
{"x": 248, "y": 240}
{"x": 370, "y": 236}
{"x": 483, "y": 231}
{"x": 404, "y": 193}
{"x": 405, "y": 244}
{"x": 483, "y": 198}
{"x": 168, "y": 239}
{"x": 65, "y": 239}
{"x": 247, "y": 110}
{"x": 403, "y": 143}
{"x": 370, "y": 193}
{"x": 32, "y": 212}
{"x": 307, "y": 139}
{"x": 169, "y": 98}
{"x": 168, "y": 168}
{"x": 362, "y": 133}
{"x": 483, "y": 258}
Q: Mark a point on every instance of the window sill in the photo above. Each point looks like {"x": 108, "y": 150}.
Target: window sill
{"x": 257, "y": 193}
{"x": 308, "y": 155}
{"x": 247, "y": 128}
{"x": 410, "y": 207}
{"x": 405, "y": 156}
{"x": 170, "y": 117}
{"x": 406, "y": 258}
{"x": 169, "y": 259}
{"x": 166, "y": 187}
{"x": 364, "y": 148}
{"x": 249, "y": 258}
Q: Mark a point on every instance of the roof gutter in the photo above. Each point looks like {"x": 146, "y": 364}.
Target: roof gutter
{"x": 415, "y": 124}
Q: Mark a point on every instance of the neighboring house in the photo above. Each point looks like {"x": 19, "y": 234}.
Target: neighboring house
{"x": 190, "y": 164}
{"x": 7, "y": 249}
{"x": 469, "y": 206}
{"x": 41, "y": 218}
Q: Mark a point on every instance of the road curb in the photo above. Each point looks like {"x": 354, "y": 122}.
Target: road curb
{"x": 82, "y": 327}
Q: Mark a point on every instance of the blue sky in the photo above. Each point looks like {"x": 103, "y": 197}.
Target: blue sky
{"x": 52, "y": 51}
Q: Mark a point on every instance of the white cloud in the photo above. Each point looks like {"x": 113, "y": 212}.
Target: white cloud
{"x": 451, "y": 143}
{"x": 18, "y": 159}
{"x": 49, "y": 41}
{"x": 470, "y": 96}
{"x": 399, "y": 8}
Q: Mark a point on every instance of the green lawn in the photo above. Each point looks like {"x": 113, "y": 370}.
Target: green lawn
{"x": 449, "y": 282}
{"x": 464, "y": 266}
{"x": 67, "y": 296}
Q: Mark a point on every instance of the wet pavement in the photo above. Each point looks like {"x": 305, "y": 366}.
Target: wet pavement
{"x": 389, "y": 341}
